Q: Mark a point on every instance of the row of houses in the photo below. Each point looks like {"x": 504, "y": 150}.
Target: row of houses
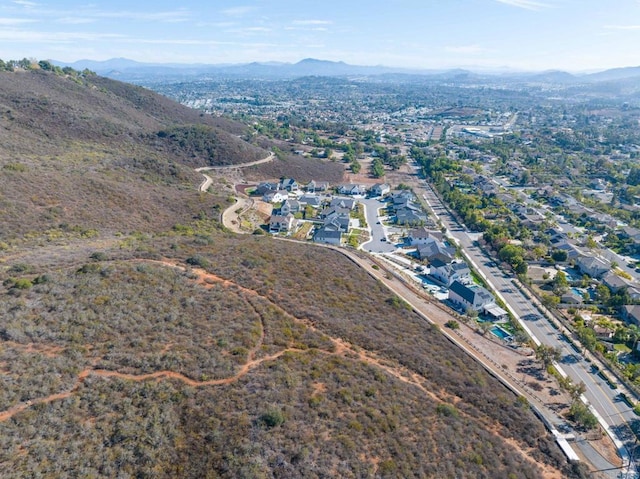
{"x": 286, "y": 188}
{"x": 402, "y": 205}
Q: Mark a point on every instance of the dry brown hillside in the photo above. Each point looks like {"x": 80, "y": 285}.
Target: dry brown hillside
{"x": 88, "y": 153}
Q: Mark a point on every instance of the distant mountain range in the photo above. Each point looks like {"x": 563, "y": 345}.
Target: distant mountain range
{"x": 125, "y": 69}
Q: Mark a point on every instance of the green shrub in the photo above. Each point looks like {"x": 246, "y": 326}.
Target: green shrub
{"x": 272, "y": 418}
{"x": 22, "y": 283}
{"x": 198, "y": 261}
{"x": 448, "y": 410}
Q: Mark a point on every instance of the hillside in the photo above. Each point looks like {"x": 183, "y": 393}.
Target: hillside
{"x": 138, "y": 338}
{"x": 78, "y": 152}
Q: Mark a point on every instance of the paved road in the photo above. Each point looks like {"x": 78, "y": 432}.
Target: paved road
{"x": 379, "y": 241}
{"x": 615, "y": 413}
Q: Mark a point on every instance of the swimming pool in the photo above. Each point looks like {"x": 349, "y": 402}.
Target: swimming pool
{"x": 501, "y": 333}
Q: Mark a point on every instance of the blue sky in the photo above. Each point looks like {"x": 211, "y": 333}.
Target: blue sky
{"x": 573, "y": 35}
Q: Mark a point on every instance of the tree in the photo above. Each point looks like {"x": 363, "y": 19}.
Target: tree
{"x": 560, "y": 283}
{"x": 547, "y": 355}
{"x": 549, "y": 300}
{"x": 485, "y": 327}
{"x": 521, "y": 268}
{"x": 577, "y": 390}
{"x": 45, "y": 65}
{"x": 581, "y": 415}
{"x": 377, "y": 168}
{"x": 603, "y": 294}
{"x": 559, "y": 255}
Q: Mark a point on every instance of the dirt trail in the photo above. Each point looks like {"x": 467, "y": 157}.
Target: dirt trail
{"x": 269, "y": 158}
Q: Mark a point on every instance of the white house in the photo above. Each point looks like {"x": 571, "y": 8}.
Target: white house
{"x": 422, "y": 236}
{"x": 315, "y": 186}
{"x": 447, "y": 273}
{"x": 469, "y": 296}
{"x": 380, "y": 189}
{"x": 352, "y": 190}
{"x": 280, "y": 223}
{"x": 289, "y": 184}
{"x": 275, "y": 196}
{"x": 290, "y": 207}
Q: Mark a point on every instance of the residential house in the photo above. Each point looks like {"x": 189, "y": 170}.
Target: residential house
{"x": 380, "y": 189}
{"x": 571, "y": 297}
{"x": 433, "y": 249}
{"x": 631, "y": 313}
{"x": 317, "y": 186}
{"x": 447, "y": 273}
{"x": 310, "y": 199}
{"x": 604, "y": 219}
{"x": 411, "y": 217}
{"x": 337, "y": 222}
{"x": 422, "y": 235}
{"x": 402, "y": 198}
{"x": 352, "y": 190}
{"x": 281, "y": 223}
{"x": 602, "y": 332}
{"x": 594, "y": 267}
{"x": 348, "y": 203}
{"x": 265, "y": 187}
{"x": 469, "y": 296}
{"x": 334, "y": 211}
{"x": 277, "y": 196}
{"x": 614, "y": 282}
{"x": 634, "y": 293}
{"x": 290, "y": 207}
{"x": 289, "y": 184}
{"x": 329, "y": 236}
{"x": 630, "y": 232}
{"x": 486, "y": 185}
{"x": 573, "y": 252}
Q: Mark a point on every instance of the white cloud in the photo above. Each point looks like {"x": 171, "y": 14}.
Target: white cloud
{"x": 237, "y": 11}
{"x": 526, "y": 4}
{"x": 312, "y": 22}
{"x": 622, "y": 27}
{"x": 466, "y": 49}
{"x": 169, "y": 17}
{"x": 75, "y": 20}
{"x": 149, "y": 41}
{"x": 15, "y": 21}
{"x": 25, "y": 3}
{"x": 18, "y": 36}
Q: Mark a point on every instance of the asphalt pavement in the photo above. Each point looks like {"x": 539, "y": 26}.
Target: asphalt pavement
{"x": 379, "y": 242}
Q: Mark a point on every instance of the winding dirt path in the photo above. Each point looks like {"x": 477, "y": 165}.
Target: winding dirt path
{"x": 231, "y": 216}
{"x": 269, "y": 158}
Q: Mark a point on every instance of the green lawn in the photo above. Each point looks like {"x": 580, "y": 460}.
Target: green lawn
{"x": 622, "y": 348}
